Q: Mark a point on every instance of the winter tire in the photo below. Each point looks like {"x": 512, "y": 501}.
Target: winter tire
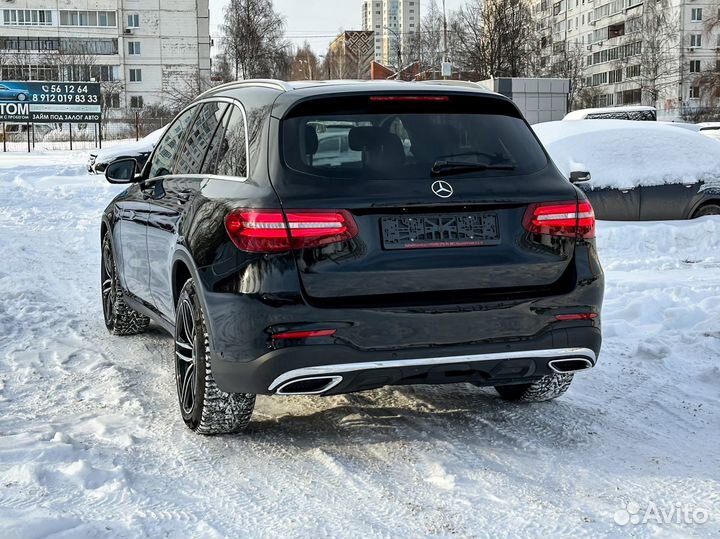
{"x": 546, "y": 388}
{"x": 204, "y": 407}
{"x": 707, "y": 209}
{"x": 119, "y": 318}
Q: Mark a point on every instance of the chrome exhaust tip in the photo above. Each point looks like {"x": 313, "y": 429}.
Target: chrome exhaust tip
{"x": 566, "y": 366}
{"x": 312, "y": 385}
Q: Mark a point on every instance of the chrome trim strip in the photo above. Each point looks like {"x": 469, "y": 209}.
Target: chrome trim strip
{"x": 333, "y": 381}
{"x": 320, "y": 370}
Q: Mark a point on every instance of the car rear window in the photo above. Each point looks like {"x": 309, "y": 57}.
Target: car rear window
{"x": 397, "y": 137}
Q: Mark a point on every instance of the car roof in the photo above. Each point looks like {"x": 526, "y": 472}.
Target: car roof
{"x": 294, "y": 91}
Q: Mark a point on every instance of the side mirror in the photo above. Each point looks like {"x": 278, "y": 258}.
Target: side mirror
{"x": 579, "y": 176}
{"x": 121, "y": 171}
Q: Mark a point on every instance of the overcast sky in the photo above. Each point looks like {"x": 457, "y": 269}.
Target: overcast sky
{"x": 318, "y": 21}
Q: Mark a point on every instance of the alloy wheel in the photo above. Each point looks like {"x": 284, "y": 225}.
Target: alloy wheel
{"x": 108, "y": 283}
{"x": 185, "y": 355}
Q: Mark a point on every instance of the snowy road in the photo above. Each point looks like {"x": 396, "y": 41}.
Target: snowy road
{"x": 92, "y": 445}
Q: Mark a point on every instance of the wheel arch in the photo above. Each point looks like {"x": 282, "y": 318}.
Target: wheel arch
{"x": 713, "y": 200}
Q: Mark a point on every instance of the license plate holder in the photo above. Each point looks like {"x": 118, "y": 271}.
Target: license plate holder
{"x": 440, "y": 231}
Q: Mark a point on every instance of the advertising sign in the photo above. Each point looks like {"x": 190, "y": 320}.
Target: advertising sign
{"x": 75, "y": 102}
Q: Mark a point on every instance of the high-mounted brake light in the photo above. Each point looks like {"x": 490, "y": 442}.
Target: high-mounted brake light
{"x": 569, "y": 219}
{"x": 409, "y": 98}
{"x": 269, "y": 231}
{"x": 286, "y": 335}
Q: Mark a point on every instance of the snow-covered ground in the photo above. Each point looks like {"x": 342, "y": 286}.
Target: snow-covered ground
{"x": 92, "y": 445}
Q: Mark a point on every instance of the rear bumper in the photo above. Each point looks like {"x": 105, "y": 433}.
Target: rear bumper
{"x": 335, "y": 368}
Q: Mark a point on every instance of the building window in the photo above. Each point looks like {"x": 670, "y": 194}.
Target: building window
{"x": 27, "y": 17}
{"x": 87, "y": 18}
{"x": 694, "y": 92}
{"x": 111, "y": 101}
{"x": 632, "y": 71}
{"x": 136, "y": 75}
{"x": 133, "y": 20}
{"x": 696, "y": 40}
{"x": 134, "y": 47}
{"x": 696, "y": 14}
{"x": 694, "y": 66}
{"x": 136, "y": 102}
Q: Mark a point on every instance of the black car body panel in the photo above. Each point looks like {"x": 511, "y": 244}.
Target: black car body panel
{"x": 672, "y": 201}
{"x": 431, "y": 303}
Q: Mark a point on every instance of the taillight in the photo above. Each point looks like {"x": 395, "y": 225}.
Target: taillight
{"x": 570, "y": 219}
{"x": 269, "y": 231}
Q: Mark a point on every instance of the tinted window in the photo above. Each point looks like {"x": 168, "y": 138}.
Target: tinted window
{"x": 197, "y": 142}
{"x": 232, "y": 150}
{"x": 403, "y": 140}
{"x": 164, "y": 157}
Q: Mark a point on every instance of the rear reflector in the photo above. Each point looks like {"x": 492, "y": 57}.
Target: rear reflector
{"x": 409, "y": 98}
{"x": 269, "y": 231}
{"x": 303, "y": 334}
{"x": 576, "y": 316}
{"x": 570, "y": 219}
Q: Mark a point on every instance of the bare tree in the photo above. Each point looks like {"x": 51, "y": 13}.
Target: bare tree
{"x": 496, "y": 37}
{"x": 222, "y": 70}
{"x": 657, "y": 29}
{"x": 426, "y": 45}
{"x": 571, "y": 66}
{"x": 181, "y": 90}
{"x": 254, "y": 40}
{"x": 305, "y": 64}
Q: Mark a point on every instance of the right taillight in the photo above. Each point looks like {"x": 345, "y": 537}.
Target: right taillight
{"x": 569, "y": 219}
{"x": 269, "y": 231}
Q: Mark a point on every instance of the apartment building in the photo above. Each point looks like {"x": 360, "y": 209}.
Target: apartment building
{"x": 393, "y": 22}
{"x": 630, "y": 54}
{"x": 139, "y": 49}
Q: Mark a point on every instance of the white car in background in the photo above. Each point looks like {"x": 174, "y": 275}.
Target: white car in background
{"x": 710, "y": 129}
{"x": 639, "y": 170}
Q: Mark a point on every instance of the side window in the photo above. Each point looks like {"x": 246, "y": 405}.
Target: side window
{"x": 198, "y": 140}
{"x": 164, "y": 157}
{"x": 232, "y": 151}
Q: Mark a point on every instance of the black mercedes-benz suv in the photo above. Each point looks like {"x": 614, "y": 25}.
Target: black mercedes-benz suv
{"x": 321, "y": 238}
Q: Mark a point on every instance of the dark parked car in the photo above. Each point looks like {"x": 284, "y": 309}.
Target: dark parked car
{"x": 139, "y": 150}
{"x": 449, "y": 249}
{"x": 643, "y": 171}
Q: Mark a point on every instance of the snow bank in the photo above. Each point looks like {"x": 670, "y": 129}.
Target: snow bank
{"x": 622, "y": 154}
{"x": 92, "y": 444}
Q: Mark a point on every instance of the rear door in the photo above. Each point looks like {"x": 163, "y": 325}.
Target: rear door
{"x": 421, "y": 236}
{"x": 613, "y": 204}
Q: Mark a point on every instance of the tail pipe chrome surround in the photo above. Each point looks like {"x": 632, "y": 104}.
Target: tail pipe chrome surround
{"x": 309, "y": 385}
{"x": 576, "y": 359}
{"x": 566, "y": 366}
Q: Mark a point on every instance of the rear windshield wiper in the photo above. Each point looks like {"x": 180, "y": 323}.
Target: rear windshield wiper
{"x": 460, "y": 167}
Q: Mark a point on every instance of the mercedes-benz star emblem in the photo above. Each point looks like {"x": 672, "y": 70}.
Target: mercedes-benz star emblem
{"x": 442, "y": 189}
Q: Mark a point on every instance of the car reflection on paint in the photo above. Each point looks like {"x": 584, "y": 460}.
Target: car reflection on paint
{"x": 13, "y": 94}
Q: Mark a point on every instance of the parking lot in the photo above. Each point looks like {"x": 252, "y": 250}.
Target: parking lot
{"x": 92, "y": 444}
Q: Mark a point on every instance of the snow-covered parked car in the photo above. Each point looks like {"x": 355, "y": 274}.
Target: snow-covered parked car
{"x": 639, "y": 170}
{"x": 632, "y": 112}
{"x": 140, "y": 151}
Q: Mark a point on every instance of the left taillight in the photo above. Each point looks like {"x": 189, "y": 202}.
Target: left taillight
{"x": 269, "y": 231}
{"x": 569, "y": 219}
